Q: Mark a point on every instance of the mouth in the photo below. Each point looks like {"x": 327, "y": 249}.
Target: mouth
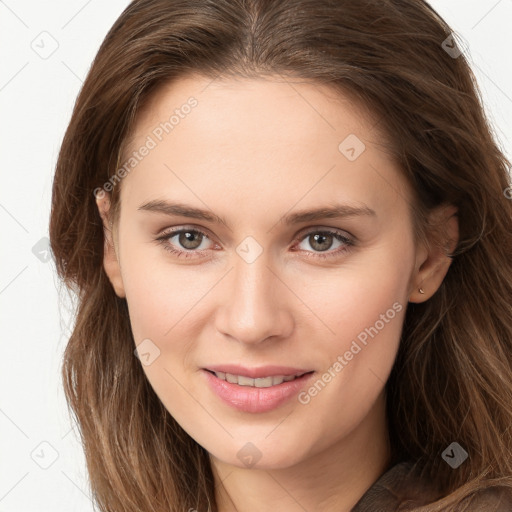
{"x": 258, "y": 382}
{"x": 255, "y": 394}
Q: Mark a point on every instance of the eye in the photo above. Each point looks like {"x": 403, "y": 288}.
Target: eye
{"x": 322, "y": 240}
{"x": 189, "y": 241}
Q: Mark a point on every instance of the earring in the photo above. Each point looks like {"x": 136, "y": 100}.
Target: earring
{"x": 421, "y": 290}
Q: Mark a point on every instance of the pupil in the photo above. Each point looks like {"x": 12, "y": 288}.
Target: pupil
{"x": 186, "y": 240}
{"x": 319, "y": 239}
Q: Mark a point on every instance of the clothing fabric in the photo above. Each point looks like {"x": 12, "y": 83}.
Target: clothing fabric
{"x": 401, "y": 488}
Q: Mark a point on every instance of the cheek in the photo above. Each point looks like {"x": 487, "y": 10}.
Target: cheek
{"x": 161, "y": 295}
{"x": 161, "y": 300}
{"x": 351, "y": 298}
{"x": 365, "y": 308}
{"x": 167, "y": 300}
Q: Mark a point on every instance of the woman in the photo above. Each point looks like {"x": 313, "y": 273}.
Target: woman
{"x": 289, "y": 227}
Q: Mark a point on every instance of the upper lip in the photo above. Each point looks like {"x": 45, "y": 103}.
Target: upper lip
{"x": 261, "y": 371}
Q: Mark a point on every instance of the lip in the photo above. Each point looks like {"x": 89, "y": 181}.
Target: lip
{"x": 254, "y": 373}
{"x": 252, "y": 399}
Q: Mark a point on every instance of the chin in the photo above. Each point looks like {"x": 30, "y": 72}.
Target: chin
{"x": 259, "y": 453}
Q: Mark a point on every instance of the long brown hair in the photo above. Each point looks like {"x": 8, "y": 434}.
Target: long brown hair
{"x": 452, "y": 378}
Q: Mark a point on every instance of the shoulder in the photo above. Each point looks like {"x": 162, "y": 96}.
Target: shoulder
{"x": 492, "y": 499}
{"x": 402, "y": 487}
{"x": 399, "y": 484}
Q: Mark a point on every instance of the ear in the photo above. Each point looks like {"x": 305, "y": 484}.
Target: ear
{"x": 110, "y": 259}
{"x": 432, "y": 263}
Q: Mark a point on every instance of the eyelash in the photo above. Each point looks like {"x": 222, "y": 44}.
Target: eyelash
{"x": 349, "y": 243}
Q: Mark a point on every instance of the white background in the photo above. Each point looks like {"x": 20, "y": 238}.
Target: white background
{"x": 36, "y": 99}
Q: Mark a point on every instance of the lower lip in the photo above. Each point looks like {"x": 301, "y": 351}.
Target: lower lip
{"x": 252, "y": 399}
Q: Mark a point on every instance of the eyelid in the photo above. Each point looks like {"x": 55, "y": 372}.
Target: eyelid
{"x": 303, "y": 232}
{"x": 322, "y": 229}
{"x": 184, "y": 227}
{"x": 349, "y": 239}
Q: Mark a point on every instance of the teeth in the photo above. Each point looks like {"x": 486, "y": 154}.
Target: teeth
{"x": 262, "y": 382}
{"x": 244, "y": 381}
{"x": 231, "y": 378}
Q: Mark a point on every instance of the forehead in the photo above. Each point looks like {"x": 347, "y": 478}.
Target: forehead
{"x": 272, "y": 139}
{"x": 294, "y": 110}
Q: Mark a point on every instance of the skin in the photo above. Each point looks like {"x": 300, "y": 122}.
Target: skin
{"x": 252, "y": 151}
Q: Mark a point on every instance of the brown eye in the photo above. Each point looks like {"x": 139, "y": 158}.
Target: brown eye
{"x": 320, "y": 241}
{"x": 187, "y": 243}
{"x": 189, "y": 239}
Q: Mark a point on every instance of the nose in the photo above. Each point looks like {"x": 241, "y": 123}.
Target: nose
{"x": 256, "y": 303}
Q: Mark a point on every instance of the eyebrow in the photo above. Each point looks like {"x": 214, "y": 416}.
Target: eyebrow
{"x": 325, "y": 212}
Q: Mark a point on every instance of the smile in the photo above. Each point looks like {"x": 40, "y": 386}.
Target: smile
{"x": 256, "y": 395}
{"x": 261, "y": 382}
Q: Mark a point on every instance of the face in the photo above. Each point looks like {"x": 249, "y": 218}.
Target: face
{"x": 256, "y": 282}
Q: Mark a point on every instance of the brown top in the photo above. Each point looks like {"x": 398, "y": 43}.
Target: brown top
{"x": 401, "y": 489}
